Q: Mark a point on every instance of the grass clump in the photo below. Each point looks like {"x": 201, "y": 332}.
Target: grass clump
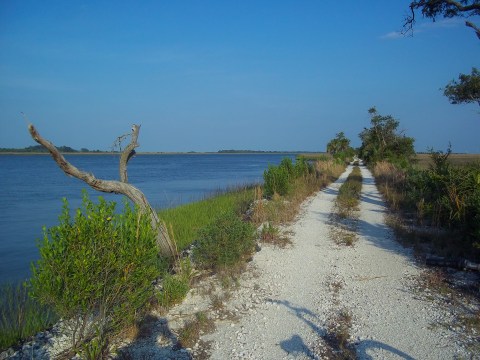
{"x": 271, "y": 234}
{"x": 174, "y": 289}
{"x": 20, "y": 315}
{"x": 191, "y": 331}
{"x": 224, "y": 242}
{"x": 338, "y": 335}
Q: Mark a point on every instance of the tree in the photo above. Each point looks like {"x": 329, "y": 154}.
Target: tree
{"x": 465, "y": 90}
{"x": 433, "y": 9}
{"x": 164, "y": 243}
{"x": 382, "y": 141}
{"x": 339, "y": 144}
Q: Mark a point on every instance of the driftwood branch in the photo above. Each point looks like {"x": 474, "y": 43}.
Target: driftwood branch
{"x": 128, "y": 153}
{"x": 111, "y": 186}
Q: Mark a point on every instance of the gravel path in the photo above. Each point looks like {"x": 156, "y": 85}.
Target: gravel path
{"x": 299, "y": 290}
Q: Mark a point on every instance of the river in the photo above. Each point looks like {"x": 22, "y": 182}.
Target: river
{"x": 32, "y": 188}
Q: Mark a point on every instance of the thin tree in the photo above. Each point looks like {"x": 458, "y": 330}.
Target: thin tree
{"x": 165, "y": 245}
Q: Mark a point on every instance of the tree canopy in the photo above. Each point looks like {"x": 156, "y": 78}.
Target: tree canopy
{"x": 382, "y": 141}
{"x": 434, "y": 9}
{"x": 465, "y": 90}
{"x": 338, "y": 144}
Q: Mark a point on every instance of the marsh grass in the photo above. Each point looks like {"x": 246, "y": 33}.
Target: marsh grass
{"x": 186, "y": 221}
{"x": 21, "y": 316}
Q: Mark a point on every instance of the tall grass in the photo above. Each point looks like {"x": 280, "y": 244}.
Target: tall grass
{"x": 442, "y": 196}
{"x": 21, "y": 316}
{"x": 284, "y": 209}
{"x": 186, "y": 221}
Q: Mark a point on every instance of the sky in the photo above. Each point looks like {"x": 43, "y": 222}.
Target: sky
{"x": 212, "y": 75}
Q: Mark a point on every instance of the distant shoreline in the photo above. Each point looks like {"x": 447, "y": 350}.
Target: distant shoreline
{"x": 162, "y": 153}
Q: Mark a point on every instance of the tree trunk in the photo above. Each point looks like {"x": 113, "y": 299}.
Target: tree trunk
{"x": 164, "y": 243}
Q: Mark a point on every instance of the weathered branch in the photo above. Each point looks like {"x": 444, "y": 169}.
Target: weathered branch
{"x": 128, "y": 153}
{"x": 111, "y": 186}
{"x": 464, "y": 8}
{"x": 474, "y": 27}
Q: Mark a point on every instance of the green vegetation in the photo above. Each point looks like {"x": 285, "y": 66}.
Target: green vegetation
{"x": 41, "y": 149}
{"x": 97, "y": 268}
{"x": 340, "y": 148}
{"x": 174, "y": 289}
{"x": 433, "y": 9}
{"x": 92, "y": 273}
{"x": 441, "y": 196}
{"x": 382, "y": 141}
{"x": 224, "y": 242}
{"x": 279, "y": 179}
{"x": 349, "y": 193}
{"x": 20, "y": 315}
{"x": 466, "y": 90}
{"x": 185, "y": 222}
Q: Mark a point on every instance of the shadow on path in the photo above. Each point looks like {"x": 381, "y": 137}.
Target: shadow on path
{"x": 146, "y": 344}
{"x": 296, "y": 346}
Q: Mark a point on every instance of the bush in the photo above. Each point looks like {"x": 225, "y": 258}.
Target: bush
{"x": 276, "y": 180}
{"x": 279, "y": 179}
{"x": 225, "y": 242}
{"x": 97, "y": 269}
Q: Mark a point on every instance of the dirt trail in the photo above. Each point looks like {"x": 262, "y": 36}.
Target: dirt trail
{"x": 298, "y": 290}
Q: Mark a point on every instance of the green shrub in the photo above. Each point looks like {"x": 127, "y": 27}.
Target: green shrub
{"x": 97, "y": 268}
{"x": 175, "y": 288}
{"x": 20, "y": 315}
{"x": 280, "y": 179}
{"x": 276, "y": 180}
{"x": 225, "y": 242}
{"x": 303, "y": 168}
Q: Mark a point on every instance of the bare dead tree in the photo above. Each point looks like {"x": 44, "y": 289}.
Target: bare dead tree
{"x": 165, "y": 245}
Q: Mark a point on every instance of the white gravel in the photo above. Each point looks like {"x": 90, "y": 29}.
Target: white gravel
{"x": 297, "y": 297}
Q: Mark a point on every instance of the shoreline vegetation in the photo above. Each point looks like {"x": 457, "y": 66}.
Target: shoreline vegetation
{"x": 187, "y": 224}
{"x": 198, "y": 229}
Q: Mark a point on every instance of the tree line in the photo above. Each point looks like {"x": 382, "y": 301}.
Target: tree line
{"x": 41, "y": 149}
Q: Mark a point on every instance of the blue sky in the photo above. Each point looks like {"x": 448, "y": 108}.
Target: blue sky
{"x": 211, "y": 75}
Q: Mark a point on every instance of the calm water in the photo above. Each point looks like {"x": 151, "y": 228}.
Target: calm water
{"x": 32, "y": 188}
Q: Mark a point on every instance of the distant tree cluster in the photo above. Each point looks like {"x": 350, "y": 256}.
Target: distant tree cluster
{"x": 382, "y": 141}
{"x": 41, "y": 149}
{"x": 340, "y": 147}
